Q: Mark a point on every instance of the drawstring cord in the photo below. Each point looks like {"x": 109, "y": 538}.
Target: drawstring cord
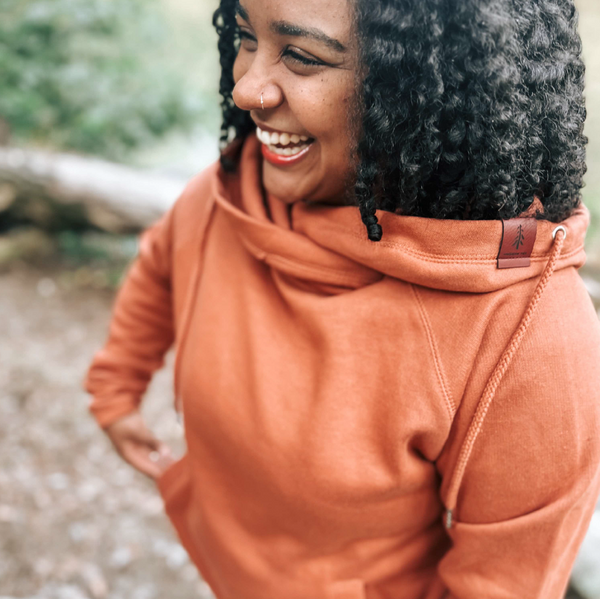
{"x": 497, "y": 374}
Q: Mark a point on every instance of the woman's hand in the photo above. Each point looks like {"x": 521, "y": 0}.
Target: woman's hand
{"x": 136, "y": 444}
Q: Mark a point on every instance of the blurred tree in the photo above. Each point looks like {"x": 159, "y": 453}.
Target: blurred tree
{"x": 80, "y": 75}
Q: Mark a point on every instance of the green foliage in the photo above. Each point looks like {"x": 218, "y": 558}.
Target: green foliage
{"x": 90, "y": 75}
{"x": 97, "y": 248}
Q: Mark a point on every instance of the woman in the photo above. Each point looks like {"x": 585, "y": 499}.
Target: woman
{"x": 387, "y": 363}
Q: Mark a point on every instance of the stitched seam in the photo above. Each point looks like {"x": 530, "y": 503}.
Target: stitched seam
{"x": 470, "y": 258}
{"x": 435, "y": 352}
{"x": 309, "y": 267}
{"x": 340, "y": 276}
{"x": 192, "y": 291}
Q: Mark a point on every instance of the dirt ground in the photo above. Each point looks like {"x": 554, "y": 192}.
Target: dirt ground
{"x": 75, "y": 521}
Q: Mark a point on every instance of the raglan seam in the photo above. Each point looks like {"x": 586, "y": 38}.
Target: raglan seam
{"x": 439, "y": 368}
{"x": 191, "y": 291}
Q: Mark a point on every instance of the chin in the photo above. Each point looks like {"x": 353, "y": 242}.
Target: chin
{"x": 289, "y": 194}
{"x": 283, "y": 195}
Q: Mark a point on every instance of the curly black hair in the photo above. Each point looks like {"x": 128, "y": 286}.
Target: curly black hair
{"x": 463, "y": 110}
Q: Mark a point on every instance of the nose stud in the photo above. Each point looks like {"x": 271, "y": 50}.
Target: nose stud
{"x": 262, "y": 104}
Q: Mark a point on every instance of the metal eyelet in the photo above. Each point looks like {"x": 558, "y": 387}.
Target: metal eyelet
{"x": 557, "y": 228}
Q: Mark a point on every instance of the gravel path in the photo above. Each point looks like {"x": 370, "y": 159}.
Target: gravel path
{"x": 75, "y": 521}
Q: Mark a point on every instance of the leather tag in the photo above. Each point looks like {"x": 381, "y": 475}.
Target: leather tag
{"x": 518, "y": 237}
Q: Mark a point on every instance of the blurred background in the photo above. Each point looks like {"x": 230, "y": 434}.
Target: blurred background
{"x": 107, "y": 108}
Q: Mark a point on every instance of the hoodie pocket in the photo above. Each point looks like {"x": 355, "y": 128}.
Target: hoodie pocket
{"x": 175, "y": 487}
{"x": 353, "y": 588}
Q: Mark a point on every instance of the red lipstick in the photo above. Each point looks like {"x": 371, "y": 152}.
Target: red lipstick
{"x": 279, "y": 160}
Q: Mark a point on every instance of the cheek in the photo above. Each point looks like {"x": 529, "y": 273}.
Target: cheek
{"x": 329, "y": 113}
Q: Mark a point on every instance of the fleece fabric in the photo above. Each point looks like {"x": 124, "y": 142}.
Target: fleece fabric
{"x": 400, "y": 419}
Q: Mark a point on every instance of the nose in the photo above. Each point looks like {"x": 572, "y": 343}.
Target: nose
{"x": 254, "y": 82}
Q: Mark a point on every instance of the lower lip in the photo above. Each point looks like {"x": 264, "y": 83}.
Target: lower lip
{"x": 279, "y": 160}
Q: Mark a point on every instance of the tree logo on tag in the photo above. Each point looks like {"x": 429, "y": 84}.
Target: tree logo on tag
{"x": 519, "y": 238}
{"x": 516, "y": 245}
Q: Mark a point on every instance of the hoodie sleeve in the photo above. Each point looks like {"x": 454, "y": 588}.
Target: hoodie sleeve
{"x": 141, "y": 329}
{"x": 531, "y": 483}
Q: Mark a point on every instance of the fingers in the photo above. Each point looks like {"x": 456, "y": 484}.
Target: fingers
{"x": 162, "y": 456}
{"x": 149, "y": 462}
{"x": 136, "y": 444}
{"x": 144, "y": 436}
{"x": 139, "y": 458}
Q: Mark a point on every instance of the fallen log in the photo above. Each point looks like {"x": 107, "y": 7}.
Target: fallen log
{"x": 113, "y": 197}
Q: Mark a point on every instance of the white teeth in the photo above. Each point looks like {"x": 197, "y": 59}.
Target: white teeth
{"x": 272, "y": 139}
{"x": 287, "y": 151}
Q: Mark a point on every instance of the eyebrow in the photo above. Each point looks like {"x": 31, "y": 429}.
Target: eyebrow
{"x": 289, "y": 29}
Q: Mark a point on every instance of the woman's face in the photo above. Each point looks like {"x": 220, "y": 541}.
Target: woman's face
{"x": 301, "y": 56}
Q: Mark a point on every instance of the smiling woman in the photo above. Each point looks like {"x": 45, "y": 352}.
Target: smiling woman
{"x": 431, "y": 109}
{"x": 416, "y": 418}
{"x": 304, "y": 69}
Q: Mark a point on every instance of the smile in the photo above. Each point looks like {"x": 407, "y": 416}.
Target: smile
{"x": 281, "y": 148}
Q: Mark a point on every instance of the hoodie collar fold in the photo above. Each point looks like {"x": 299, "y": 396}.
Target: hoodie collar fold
{"x": 328, "y": 244}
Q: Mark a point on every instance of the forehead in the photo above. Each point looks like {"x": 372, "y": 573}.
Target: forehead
{"x": 331, "y": 16}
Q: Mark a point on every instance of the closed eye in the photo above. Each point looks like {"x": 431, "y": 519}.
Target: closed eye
{"x": 293, "y": 55}
{"x": 303, "y": 59}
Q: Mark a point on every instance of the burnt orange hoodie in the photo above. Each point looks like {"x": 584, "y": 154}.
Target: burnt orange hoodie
{"x": 401, "y": 419}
